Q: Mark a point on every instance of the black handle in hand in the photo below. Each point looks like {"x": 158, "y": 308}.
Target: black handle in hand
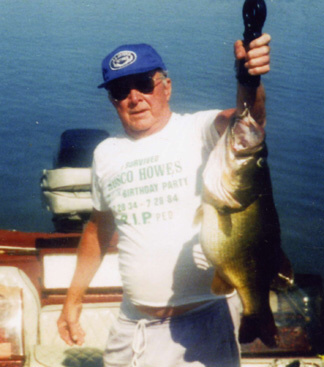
{"x": 254, "y": 15}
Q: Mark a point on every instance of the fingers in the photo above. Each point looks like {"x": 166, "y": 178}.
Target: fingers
{"x": 70, "y": 332}
{"x": 257, "y": 55}
{"x": 258, "y": 64}
{"x": 65, "y": 333}
{"x": 239, "y": 50}
{"x": 77, "y": 333}
{"x": 263, "y": 40}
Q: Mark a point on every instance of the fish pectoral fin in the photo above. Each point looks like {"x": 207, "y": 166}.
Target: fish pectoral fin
{"x": 220, "y": 286}
{"x": 199, "y": 215}
{"x": 225, "y": 224}
{"x": 284, "y": 279}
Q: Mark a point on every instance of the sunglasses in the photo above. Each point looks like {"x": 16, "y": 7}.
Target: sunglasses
{"x": 120, "y": 88}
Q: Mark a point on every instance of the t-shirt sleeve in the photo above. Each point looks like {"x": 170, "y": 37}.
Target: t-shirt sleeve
{"x": 206, "y": 123}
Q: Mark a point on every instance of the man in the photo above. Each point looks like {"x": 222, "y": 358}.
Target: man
{"x": 147, "y": 185}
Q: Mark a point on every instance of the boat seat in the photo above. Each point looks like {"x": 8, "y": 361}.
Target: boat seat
{"x": 96, "y": 319}
{"x": 43, "y": 346}
{"x": 11, "y": 276}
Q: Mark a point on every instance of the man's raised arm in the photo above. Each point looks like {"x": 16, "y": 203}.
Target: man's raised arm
{"x": 257, "y": 62}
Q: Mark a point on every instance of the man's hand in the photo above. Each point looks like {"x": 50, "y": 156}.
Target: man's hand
{"x": 69, "y": 326}
{"x": 256, "y": 54}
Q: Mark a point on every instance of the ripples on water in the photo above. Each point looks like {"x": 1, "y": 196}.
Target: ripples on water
{"x": 51, "y": 54}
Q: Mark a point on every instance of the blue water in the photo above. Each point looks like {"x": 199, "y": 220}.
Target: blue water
{"x": 50, "y": 66}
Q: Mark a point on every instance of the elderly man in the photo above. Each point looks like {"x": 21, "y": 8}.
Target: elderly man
{"x": 147, "y": 185}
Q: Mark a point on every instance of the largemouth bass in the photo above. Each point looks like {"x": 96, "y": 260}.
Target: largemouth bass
{"x": 240, "y": 232}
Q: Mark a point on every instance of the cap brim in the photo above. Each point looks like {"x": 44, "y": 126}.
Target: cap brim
{"x": 134, "y": 72}
{"x": 103, "y": 85}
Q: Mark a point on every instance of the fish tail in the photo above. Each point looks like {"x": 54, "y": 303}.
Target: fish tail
{"x": 259, "y": 326}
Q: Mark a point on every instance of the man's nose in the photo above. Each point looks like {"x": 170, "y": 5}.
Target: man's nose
{"x": 134, "y": 96}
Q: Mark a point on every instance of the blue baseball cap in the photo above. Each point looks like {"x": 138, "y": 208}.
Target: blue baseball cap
{"x": 128, "y": 60}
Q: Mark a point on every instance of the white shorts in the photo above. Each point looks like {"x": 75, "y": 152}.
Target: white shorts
{"x": 203, "y": 337}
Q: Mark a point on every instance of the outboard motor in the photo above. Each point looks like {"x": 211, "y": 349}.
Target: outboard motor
{"x": 66, "y": 189}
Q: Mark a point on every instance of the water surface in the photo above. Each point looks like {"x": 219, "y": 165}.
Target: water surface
{"x": 50, "y": 66}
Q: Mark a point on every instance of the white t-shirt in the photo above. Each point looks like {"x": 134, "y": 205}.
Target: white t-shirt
{"x": 153, "y": 185}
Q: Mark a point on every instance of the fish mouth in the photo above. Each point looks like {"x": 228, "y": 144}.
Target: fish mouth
{"x": 247, "y": 136}
{"x": 246, "y": 139}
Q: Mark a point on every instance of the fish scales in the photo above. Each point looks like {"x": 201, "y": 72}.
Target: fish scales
{"x": 240, "y": 231}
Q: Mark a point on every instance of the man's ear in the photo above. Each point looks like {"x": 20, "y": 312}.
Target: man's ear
{"x": 168, "y": 88}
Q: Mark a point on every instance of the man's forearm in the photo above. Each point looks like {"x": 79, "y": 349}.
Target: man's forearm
{"x": 256, "y": 59}
{"x": 254, "y": 99}
{"x": 88, "y": 261}
{"x": 99, "y": 233}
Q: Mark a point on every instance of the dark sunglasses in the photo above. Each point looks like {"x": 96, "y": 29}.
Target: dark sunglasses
{"x": 120, "y": 88}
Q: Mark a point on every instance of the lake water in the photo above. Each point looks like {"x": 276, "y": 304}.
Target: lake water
{"x": 50, "y": 59}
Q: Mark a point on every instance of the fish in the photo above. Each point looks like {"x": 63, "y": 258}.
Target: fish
{"x": 240, "y": 229}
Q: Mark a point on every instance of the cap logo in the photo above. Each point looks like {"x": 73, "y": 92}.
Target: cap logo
{"x": 122, "y": 59}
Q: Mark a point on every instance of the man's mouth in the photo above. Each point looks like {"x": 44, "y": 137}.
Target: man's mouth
{"x": 137, "y": 112}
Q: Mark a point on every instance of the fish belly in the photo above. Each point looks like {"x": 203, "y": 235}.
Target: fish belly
{"x": 243, "y": 247}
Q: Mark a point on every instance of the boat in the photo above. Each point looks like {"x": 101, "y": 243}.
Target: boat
{"x": 36, "y": 270}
